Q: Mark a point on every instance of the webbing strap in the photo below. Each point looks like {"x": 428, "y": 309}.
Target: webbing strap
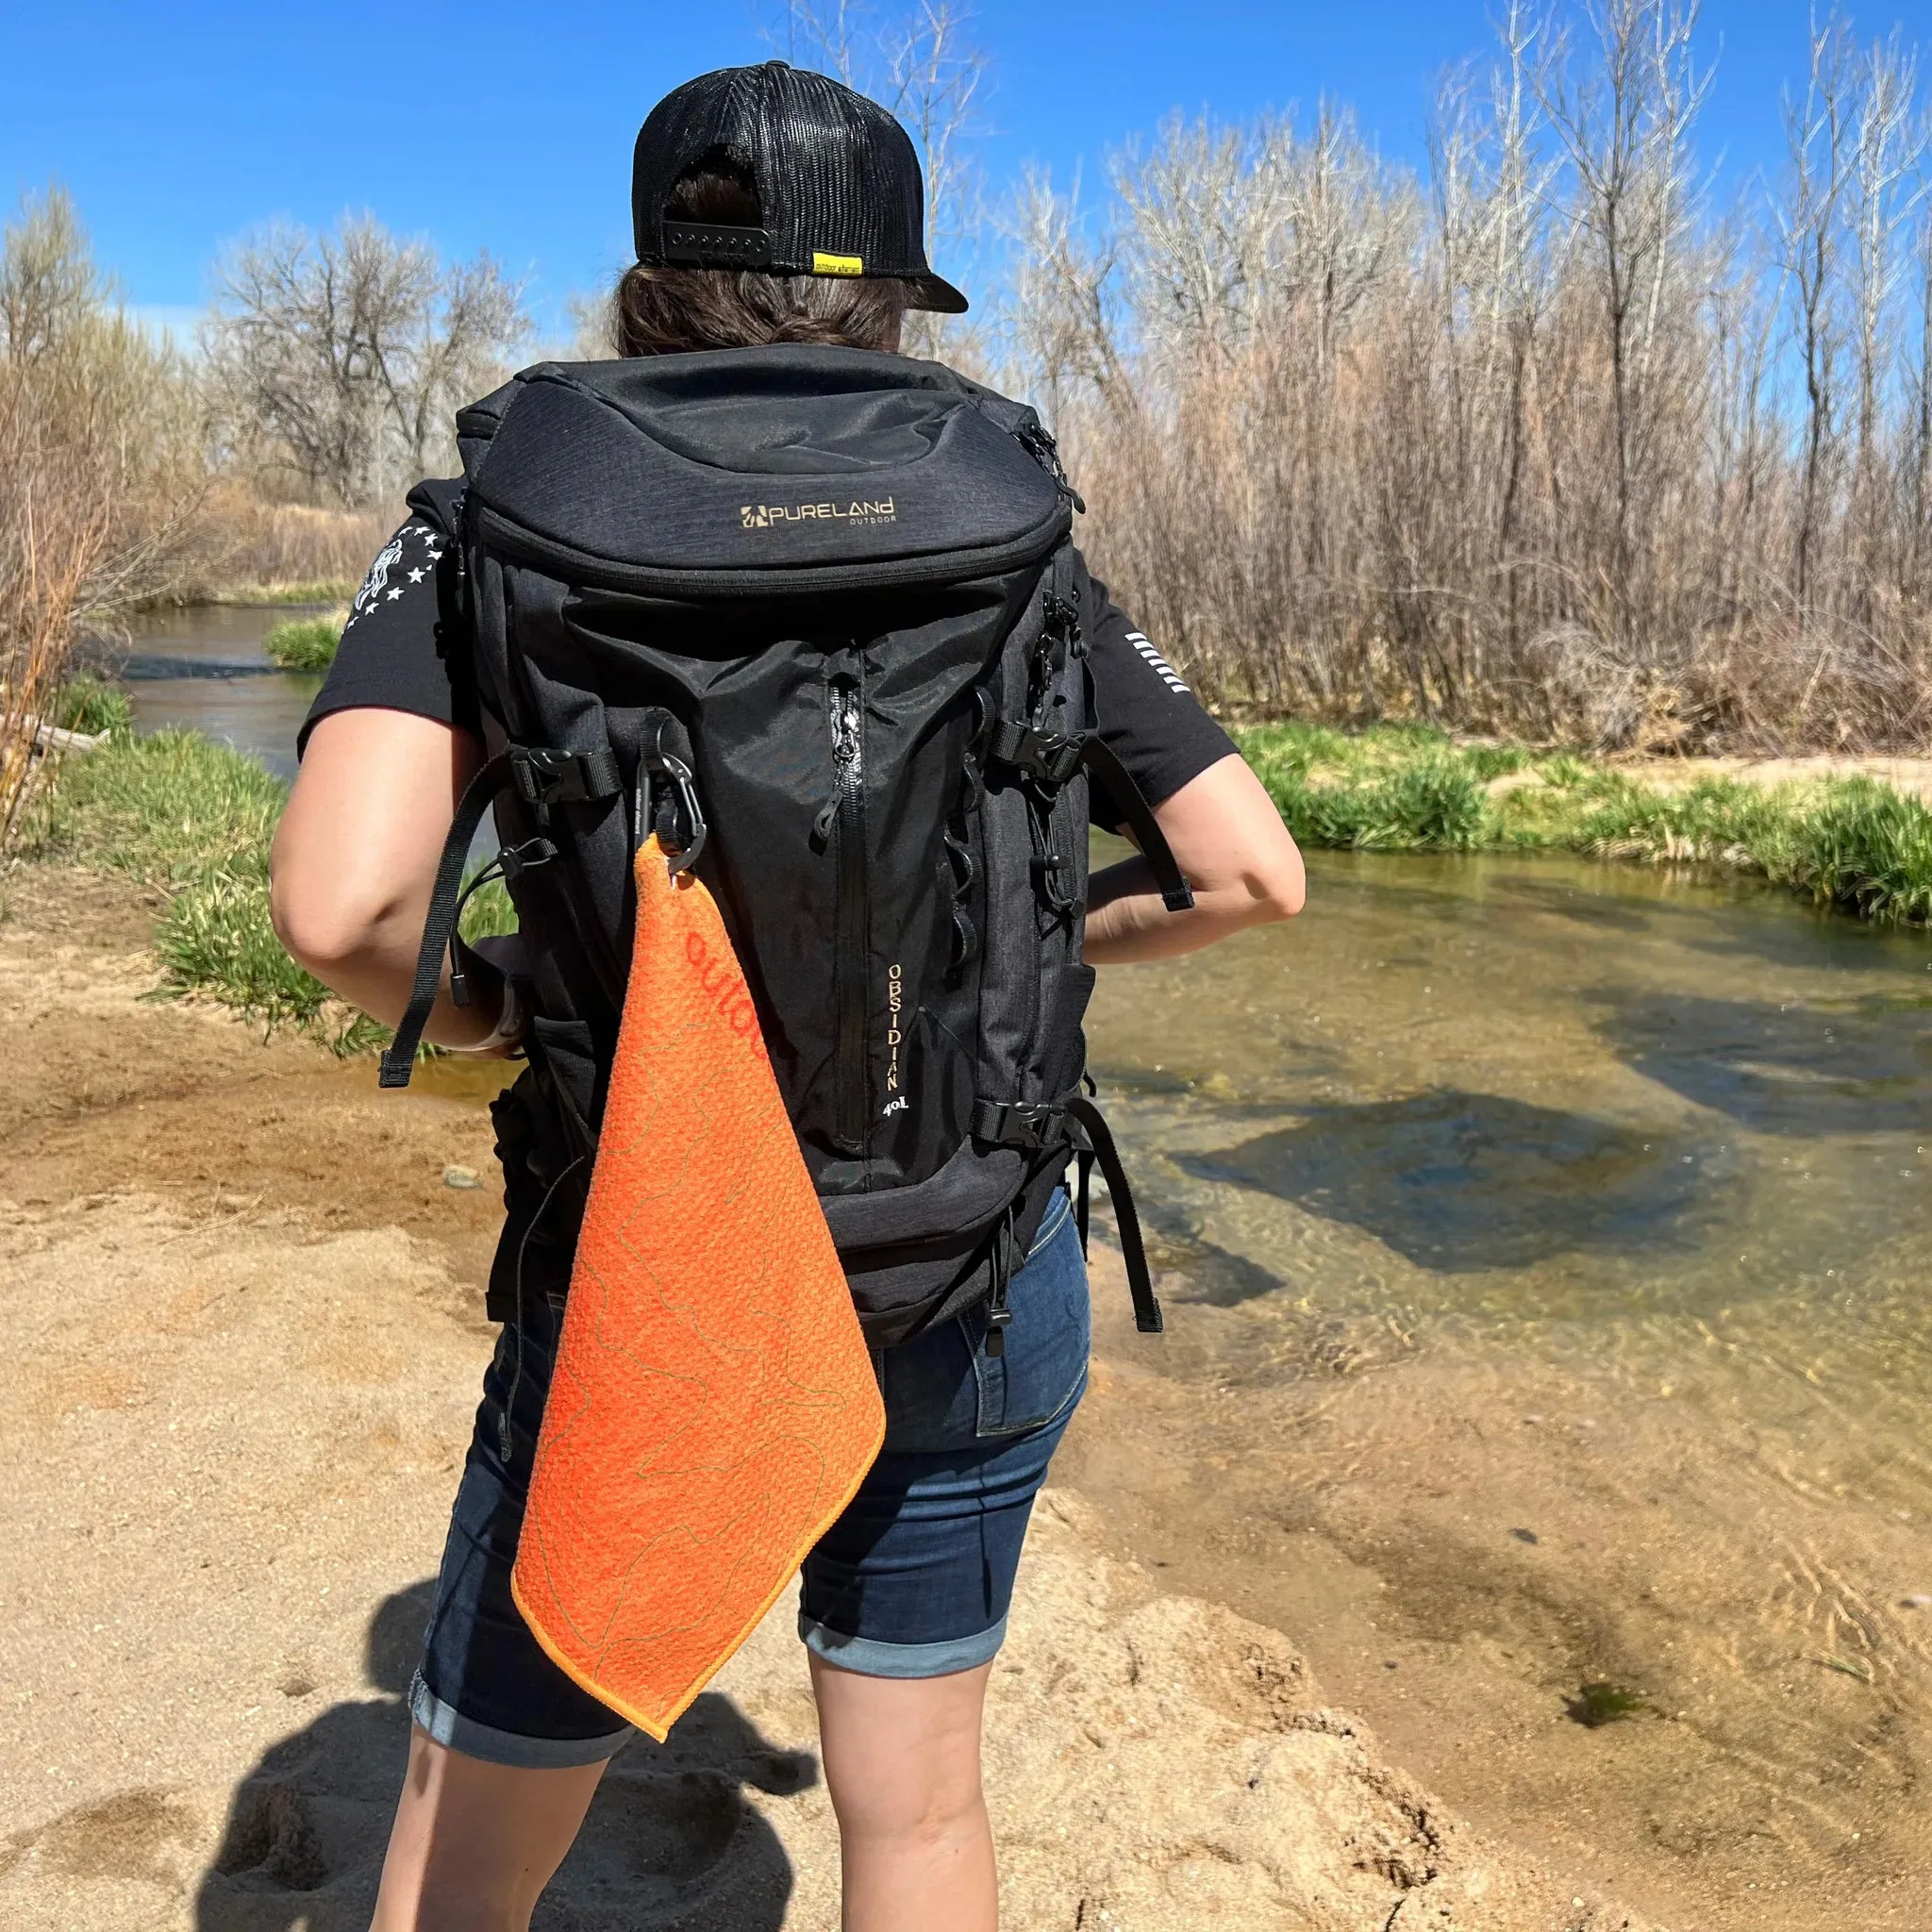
{"x": 1127, "y": 1219}
{"x": 445, "y": 898}
{"x": 1118, "y": 783}
{"x": 1079, "y": 1124}
{"x": 1047, "y": 759}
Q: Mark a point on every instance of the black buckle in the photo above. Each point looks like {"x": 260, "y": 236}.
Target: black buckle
{"x": 1019, "y": 1122}
{"x": 1048, "y": 758}
{"x": 546, "y": 777}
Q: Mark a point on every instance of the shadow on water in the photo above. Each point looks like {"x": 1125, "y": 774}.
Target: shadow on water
{"x": 669, "y": 1840}
{"x": 1462, "y": 1182}
{"x": 1795, "y": 1070}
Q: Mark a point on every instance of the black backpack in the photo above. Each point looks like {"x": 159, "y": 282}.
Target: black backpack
{"x": 811, "y": 615}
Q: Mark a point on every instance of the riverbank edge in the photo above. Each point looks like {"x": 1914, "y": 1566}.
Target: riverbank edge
{"x": 195, "y": 820}
{"x": 1849, "y": 842}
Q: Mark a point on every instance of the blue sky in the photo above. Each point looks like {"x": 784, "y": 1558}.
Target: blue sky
{"x": 510, "y": 127}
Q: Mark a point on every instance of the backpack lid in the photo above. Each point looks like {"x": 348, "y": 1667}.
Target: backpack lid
{"x": 766, "y": 469}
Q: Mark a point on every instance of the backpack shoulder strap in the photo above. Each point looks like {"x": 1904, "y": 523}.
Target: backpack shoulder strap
{"x": 542, "y": 777}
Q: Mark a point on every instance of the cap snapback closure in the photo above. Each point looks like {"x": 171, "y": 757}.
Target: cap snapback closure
{"x": 715, "y": 244}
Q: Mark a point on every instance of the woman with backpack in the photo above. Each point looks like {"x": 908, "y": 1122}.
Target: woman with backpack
{"x": 810, "y": 612}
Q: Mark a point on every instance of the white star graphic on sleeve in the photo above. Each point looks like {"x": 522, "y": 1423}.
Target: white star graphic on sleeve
{"x": 416, "y": 577}
{"x": 393, "y": 595}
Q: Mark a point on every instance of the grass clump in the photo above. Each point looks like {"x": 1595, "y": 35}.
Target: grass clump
{"x": 1598, "y": 1703}
{"x": 164, "y": 809}
{"x": 312, "y": 591}
{"x": 1852, "y": 844}
{"x": 305, "y": 643}
{"x": 90, "y": 705}
{"x": 196, "y": 818}
{"x": 1398, "y": 789}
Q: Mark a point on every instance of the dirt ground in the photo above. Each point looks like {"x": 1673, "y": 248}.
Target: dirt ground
{"x": 1460, "y": 1548}
{"x": 245, "y": 1314}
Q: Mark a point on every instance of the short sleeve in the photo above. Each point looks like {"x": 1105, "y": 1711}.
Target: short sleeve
{"x": 392, "y": 655}
{"x": 1144, "y": 711}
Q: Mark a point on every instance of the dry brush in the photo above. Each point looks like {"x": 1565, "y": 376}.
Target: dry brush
{"x": 1538, "y": 442}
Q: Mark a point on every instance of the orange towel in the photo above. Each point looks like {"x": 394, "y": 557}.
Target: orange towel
{"x": 713, "y": 1407}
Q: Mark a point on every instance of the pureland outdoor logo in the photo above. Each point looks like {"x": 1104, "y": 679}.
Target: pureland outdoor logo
{"x": 771, "y": 516}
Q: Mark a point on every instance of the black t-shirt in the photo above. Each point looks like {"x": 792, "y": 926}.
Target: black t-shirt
{"x": 391, "y": 660}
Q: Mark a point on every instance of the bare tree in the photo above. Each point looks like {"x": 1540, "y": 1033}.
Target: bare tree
{"x": 1889, "y": 141}
{"x": 100, "y": 471}
{"x": 346, "y": 353}
{"x": 1624, "y": 120}
{"x": 1818, "y": 136}
{"x": 1540, "y": 444}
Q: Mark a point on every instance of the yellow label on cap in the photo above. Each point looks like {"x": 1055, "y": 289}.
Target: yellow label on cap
{"x": 823, "y": 264}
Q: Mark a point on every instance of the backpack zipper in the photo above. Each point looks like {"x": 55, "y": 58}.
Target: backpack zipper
{"x": 844, "y": 710}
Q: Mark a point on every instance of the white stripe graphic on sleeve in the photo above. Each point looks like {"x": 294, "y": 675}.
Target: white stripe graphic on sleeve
{"x": 1156, "y": 661}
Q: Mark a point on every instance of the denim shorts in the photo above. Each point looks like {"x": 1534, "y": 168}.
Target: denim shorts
{"x": 914, "y": 1580}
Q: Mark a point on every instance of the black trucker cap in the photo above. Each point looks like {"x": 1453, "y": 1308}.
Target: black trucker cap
{"x": 836, "y": 179}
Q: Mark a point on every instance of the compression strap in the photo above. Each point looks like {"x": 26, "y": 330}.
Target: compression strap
{"x": 1081, "y": 1127}
{"x": 1046, "y": 760}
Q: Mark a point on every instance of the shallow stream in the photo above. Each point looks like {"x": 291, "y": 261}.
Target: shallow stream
{"x": 202, "y": 669}
{"x": 1548, "y": 1249}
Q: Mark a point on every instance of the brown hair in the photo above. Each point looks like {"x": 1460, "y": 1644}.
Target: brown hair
{"x": 665, "y": 311}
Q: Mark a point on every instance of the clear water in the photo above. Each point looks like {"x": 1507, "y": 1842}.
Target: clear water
{"x": 202, "y": 669}
{"x": 1546, "y": 1250}
{"x": 1535, "y": 1092}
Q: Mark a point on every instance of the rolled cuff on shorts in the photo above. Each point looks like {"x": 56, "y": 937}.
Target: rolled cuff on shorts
{"x": 868, "y": 1657}
{"x": 448, "y": 1726}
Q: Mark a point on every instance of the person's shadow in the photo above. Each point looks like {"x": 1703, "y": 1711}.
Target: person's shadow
{"x": 669, "y": 1840}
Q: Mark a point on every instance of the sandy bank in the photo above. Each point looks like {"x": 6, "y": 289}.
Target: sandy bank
{"x": 244, "y": 1310}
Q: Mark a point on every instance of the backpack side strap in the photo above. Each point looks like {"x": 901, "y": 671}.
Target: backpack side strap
{"x": 1047, "y": 759}
{"x": 1078, "y": 1124}
{"x": 541, "y": 777}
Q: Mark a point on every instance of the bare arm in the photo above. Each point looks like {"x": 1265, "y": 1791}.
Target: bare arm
{"x": 354, "y": 862}
{"x": 1236, "y": 852}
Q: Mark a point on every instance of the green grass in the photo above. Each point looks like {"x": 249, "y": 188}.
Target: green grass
{"x": 196, "y": 817}
{"x": 180, "y": 812}
{"x": 1847, "y": 842}
{"x": 91, "y": 704}
{"x": 1599, "y": 1704}
{"x": 305, "y": 643}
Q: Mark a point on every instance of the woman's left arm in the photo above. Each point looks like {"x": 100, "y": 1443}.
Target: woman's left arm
{"x": 355, "y": 856}
{"x": 1238, "y": 855}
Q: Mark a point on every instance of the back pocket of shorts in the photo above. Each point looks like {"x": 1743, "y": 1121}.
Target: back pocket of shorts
{"x": 1039, "y": 1375}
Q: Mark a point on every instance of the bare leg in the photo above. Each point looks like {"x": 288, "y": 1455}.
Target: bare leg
{"x": 473, "y": 1845}
{"x": 902, "y": 1763}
